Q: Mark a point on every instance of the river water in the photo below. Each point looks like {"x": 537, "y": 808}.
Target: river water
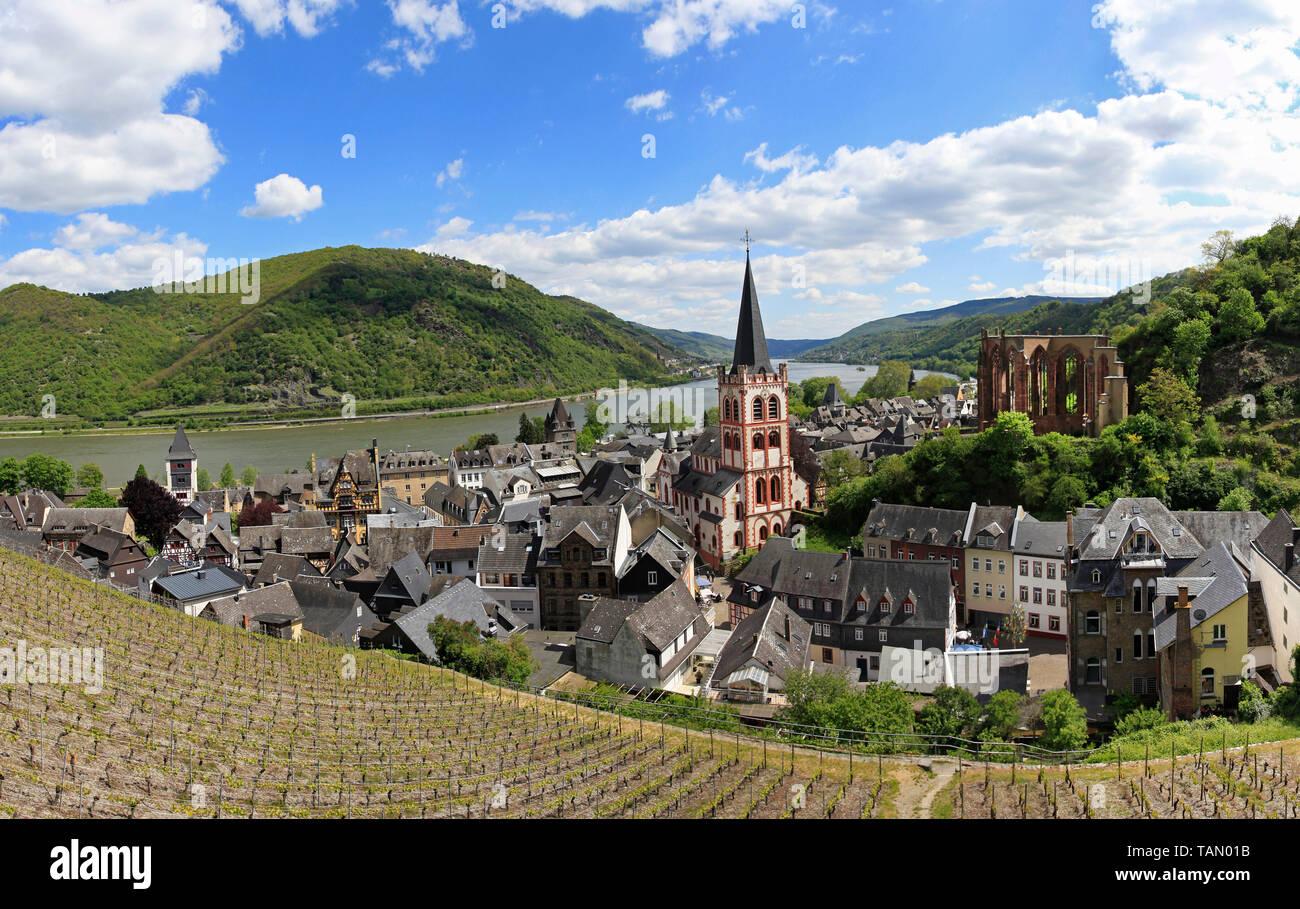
{"x": 276, "y": 449}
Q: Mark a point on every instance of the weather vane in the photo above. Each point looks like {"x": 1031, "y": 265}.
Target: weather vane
{"x": 746, "y": 240}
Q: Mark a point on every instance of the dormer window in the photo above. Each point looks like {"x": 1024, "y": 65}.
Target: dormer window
{"x": 1096, "y": 576}
{"x": 909, "y": 608}
{"x": 884, "y": 605}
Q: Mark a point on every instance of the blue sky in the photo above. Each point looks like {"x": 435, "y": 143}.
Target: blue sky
{"x": 887, "y": 157}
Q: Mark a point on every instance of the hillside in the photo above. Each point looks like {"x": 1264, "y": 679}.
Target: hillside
{"x": 947, "y": 339}
{"x": 379, "y": 324}
{"x": 718, "y": 349}
{"x": 195, "y": 719}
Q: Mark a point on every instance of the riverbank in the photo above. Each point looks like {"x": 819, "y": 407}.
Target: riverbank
{"x": 288, "y": 422}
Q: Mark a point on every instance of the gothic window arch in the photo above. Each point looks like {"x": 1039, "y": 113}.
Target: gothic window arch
{"x": 774, "y": 439}
{"x": 758, "y": 408}
{"x": 762, "y": 532}
{"x": 774, "y": 408}
{"x": 726, "y": 408}
{"x": 776, "y": 489}
{"x": 760, "y": 491}
{"x": 758, "y": 441}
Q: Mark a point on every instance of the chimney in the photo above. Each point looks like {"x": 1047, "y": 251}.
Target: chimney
{"x": 1182, "y": 596}
{"x": 245, "y": 623}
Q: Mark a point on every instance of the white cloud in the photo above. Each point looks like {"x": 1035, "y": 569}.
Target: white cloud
{"x": 979, "y": 287}
{"x": 794, "y": 160}
{"x": 452, "y": 171}
{"x": 677, "y": 25}
{"x": 911, "y": 287}
{"x": 530, "y": 215}
{"x": 83, "y": 86}
{"x": 1238, "y": 53}
{"x": 306, "y": 16}
{"x": 650, "y": 102}
{"x": 195, "y": 100}
{"x": 283, "y": 196}
{"x": 454, "y": 228}
{"x": 78, "y": 262}
{"x": 3, "y": 221}
{"x": 424, "y": 24}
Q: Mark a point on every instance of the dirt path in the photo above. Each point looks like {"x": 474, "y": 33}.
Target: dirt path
{"x": 919, "y": 784}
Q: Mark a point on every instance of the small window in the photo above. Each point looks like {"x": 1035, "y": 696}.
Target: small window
{"x": 652, "y": 578}
{"x": 1092, "y": 622}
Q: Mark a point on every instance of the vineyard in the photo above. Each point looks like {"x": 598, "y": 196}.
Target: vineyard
{"x": 196, "y": 719}
{"x": 1261, "y": 781}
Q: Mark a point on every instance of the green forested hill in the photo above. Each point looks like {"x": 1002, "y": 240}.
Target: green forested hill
{"x": 379, "y": 324}
{"x": 950, "y": 341}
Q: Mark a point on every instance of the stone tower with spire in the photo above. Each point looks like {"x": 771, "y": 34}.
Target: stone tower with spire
{"x": 181, "y": 468}
{"x": 754, "y": 429}
{"x": 561, "y": 431}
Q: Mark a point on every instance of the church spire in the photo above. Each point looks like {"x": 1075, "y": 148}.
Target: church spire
{"x": 751, "y": 343}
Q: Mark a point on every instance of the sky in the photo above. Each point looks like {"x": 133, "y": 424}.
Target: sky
{"x": 885, "y": 157}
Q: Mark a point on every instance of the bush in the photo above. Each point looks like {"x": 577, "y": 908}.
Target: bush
{"x": 1140, "y": 719}
{"x": 1064, "y": 722}
{"x": 1252, "y": 706}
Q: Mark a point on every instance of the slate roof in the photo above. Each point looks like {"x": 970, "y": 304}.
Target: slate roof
{"x": 601, "y": 523}
{"x": 180, "y": 447}
{"x": 693, "y": 482}
{"x": 387, "y": 545}
{"x": 1221, "y": 581}
{"x": 1273, "y": 539}
{"x": 606, "y": 617}
{"x": 1040, "y": 538}
{"x": 916, "y": 524}
{"x": 274, "y": 600}
{"x": 760, "y": 636}
{"x": 306, "y": 540}
{"x": 216, "y": 580}
{"x": 1237, "y": 527}
{"x": 462, "y": 602}
{"x": 79, "y": 520}
{"x": 331, "y": 613}
{"x": 278, "y": 566}
{"x": 928, "y": 584}
{"x": 451, "y": 544}
{"x": 995, "y": 519}
{"x": 751, "y": 342}
{"x": 512, "y": 553}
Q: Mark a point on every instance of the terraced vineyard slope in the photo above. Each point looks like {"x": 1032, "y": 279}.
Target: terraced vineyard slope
{"x": 195, "y": 719}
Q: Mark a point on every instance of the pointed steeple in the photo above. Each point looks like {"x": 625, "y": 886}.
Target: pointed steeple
{"x": 670, "y": 441}
{"x": 180, "y": 445}
{"x": 751, "y": 343}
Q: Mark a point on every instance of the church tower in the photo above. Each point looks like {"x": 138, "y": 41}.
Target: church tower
{"x": 754, "y": 429}
{"x": 182, "y": 467}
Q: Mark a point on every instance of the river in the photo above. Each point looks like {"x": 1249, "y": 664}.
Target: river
{"x": 279, "y": 448}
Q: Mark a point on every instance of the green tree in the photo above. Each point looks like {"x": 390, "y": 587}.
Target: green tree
{"x": 479, "y": 441}
{"x": 1239, "y": 319}
{"x": 931, "y": 385}
{"x": 842, "y": 465}
{"x": 531, "y": 431}
{"x": 461, "y": 646}
{"x": 141, "y": 472}
{"x": 593, "y": 421}
{"x": 203, "y": 479}
{"x": 712, "y": 417}
{"x": 40, "y": 471}
{"x": 1190, "y": 340}
{"x": 249, "y": 476}
{"x": 1237, "y": 500}
{"x": 1001, "y": 716}
{"x": 97, "y": 498}
{"x": 952, "y": 713}
{"x": 1167, "y": 397}
{"x": 890, "y": 381}
{"x": 1064, "y": 722}
{"x": 11, "y": 476}
{"x": 90, "y": 476}
{"x": 227, "y": 478}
